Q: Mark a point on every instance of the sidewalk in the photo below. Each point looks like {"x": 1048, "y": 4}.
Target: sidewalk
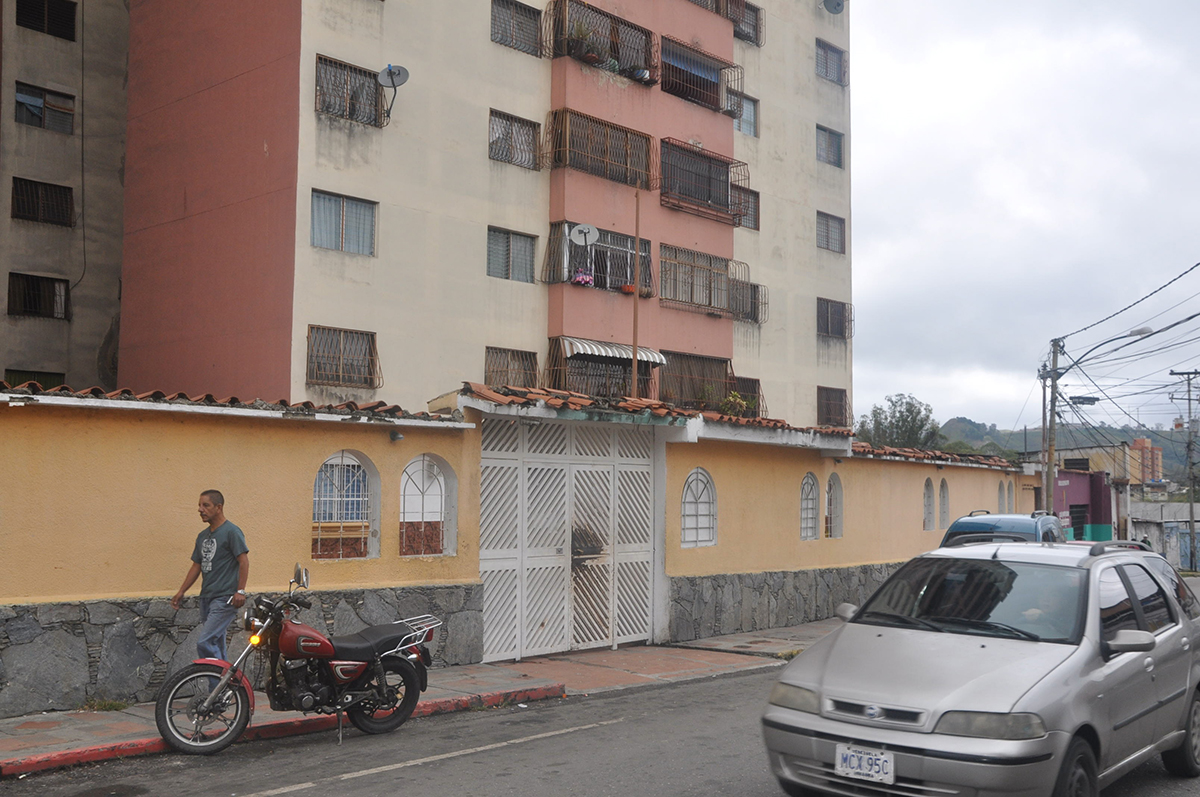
{"x": 58, "y": 739}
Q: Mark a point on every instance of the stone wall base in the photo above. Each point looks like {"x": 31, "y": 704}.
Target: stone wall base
{"x": 55, "y": 656}
{"x": 704, "y": 606}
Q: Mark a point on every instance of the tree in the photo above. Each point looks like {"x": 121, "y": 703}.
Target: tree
{"x": 904, "y": 423}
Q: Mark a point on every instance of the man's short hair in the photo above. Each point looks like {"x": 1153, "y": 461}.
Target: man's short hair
{"x": 215, "y": 495}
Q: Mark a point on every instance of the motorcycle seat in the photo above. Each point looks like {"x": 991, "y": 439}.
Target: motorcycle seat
{"x": 366, "y": 643}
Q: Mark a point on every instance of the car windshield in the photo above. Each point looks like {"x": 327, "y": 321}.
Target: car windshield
{"x": 1022, "y": 524}
{"x": 982, "y": 597}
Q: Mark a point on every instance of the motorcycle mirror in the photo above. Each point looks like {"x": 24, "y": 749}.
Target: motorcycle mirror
{"x": 296, "y": 573}
{"x": 304, "y": 578}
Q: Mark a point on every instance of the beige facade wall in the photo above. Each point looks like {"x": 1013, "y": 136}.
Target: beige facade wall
{"x": 90, "y": 160}
{"x": 426, "y": 292}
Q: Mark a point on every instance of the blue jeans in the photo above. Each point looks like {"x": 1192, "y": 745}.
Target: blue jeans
{"x": 217, "y": 613}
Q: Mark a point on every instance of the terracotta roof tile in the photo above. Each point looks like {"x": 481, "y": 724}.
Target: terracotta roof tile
{"x": 866, "y": 449}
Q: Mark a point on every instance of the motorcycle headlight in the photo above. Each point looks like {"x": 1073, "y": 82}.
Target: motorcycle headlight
{"x": 985, "y": 725}
{"x": 795, "y": 697}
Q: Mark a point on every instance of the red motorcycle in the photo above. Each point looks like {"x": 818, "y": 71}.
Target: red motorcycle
{"x": 375, "y": 676}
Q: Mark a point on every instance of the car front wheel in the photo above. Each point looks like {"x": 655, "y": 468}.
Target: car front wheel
{"x": 1077, "y": 778}
{"x": 1184, "y": 760}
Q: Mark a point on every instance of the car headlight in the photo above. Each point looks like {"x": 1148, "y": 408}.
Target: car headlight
{"x": 985, "y": 725}
{"x": 795, "y": 697}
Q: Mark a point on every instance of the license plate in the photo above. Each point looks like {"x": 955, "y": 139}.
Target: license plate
{"x": 863, "y": 764}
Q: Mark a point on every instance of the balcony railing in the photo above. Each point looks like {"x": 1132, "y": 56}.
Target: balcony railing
{"x": 701, "y": 77}
{"x": 591, "y": 375}
{"x": 604, "y": 40}
{"x": 700, "y": 182}
{"x": 709, "y": 284}
{"x": 606, "y": 263}
{"x": 587, "y": 144}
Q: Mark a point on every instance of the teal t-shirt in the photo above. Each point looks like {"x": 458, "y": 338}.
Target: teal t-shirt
{"x": 216, "y": 552}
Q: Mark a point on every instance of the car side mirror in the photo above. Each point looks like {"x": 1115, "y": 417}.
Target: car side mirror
{"x": 1130, "y": 641}
{"x": 845, "y": 611}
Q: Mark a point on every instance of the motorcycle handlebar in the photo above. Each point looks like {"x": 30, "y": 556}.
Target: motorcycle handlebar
{"x": 303, "y": 603}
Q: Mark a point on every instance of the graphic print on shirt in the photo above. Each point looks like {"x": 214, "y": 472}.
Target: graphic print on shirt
{"x": 208, "y": 549}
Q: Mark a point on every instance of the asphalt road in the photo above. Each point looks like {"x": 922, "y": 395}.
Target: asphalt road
{"x": 699, "y": 738}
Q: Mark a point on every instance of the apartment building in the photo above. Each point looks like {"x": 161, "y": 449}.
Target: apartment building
{"x": 62, "y": 131}
{"x": 295, "y": 230}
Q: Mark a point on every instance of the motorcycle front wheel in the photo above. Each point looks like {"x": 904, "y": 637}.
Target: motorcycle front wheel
{"x": 184, "y": 722}
{"x": 403, "y": 692}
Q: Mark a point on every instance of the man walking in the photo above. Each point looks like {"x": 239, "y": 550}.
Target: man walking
{"x": 222, "y": 557}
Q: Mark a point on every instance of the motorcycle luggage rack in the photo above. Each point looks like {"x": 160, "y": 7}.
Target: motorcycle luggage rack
{"x": 421, "y": 625}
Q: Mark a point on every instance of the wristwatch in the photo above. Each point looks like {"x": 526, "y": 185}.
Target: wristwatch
{"x": 241, "y": 592}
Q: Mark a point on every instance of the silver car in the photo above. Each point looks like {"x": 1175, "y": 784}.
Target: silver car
{"x": 997, "y": 668}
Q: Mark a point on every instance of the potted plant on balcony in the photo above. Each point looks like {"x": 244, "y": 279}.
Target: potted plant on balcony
{"x": 580, "y": 44}
{"x": 630, "y": 289}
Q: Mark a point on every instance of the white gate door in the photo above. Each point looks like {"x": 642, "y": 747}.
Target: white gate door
{"x": 565, "y": 536}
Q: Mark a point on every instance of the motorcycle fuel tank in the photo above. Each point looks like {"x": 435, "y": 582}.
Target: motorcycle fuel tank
{"x": 299, "y": 641}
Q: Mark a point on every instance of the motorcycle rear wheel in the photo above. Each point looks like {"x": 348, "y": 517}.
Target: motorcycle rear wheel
{"x": 402, "y": 680}
{"x": 180, "y": 717}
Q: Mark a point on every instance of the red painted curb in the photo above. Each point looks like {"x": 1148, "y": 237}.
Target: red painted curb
{"x": 272, "y": 730}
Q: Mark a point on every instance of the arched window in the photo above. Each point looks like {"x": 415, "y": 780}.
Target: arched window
{"x": 943, "y": 505}
{"x": 808, "y": 508}
{"x": 427, "y": 503}
{"x": 1011, "y": 505}
{"x": 345, "y": 518}
{"x": 699, "y": 513}
{"x": 928, "y": 520}
{"x": 833, "y": 507}
{"x": 1000, "y": 501}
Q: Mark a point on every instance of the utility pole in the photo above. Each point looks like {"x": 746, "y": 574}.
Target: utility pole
{"x": 1055, "y": 348}
{"x": 637, "y": 283}
{"x": 1191, "y": 473}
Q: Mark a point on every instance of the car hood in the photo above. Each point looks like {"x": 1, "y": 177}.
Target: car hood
{"x": 924, "y": 670}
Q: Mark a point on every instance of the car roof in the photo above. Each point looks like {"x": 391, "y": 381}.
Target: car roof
{"x": 1063, "y": 554}
{"x": 1008, "y": 518}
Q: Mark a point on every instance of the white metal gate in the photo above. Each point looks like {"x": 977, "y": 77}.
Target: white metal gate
{"x": 565, "y": 536}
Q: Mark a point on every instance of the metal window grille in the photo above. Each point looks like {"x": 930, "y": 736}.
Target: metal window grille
{"x": 750, "y": 391}
{"x": 829, "y": 146}
{"x": 47, "y": 379}
{"x": 56, "y": 17}
{"x": 710, "y": 284}
{"x": 833, "y": 63}
{"x": 695, "y": 381}
{"x": 701, "y": 77}
{"x": 607, "y": 264}
{"x": 831, "y": 233}
{"x": 44, "y": 202}
{"x": 517, "y": 26}
{"x": 747, "y": 121}
{"x": 748, "y": 301}
{"x": 808, "y": 507}
{"x": 422, "y": 508}
{"x": 699, "y": 182}
{"x": 943, "y": 505}
{"x": 513, "y": 140}
{"x": 342, "y": 223}
{"x": 698, "y": 510}
{"x": 833, "y": 508}
{"x": 510, "y": 367}
{"x": 592, "y": 375}
{"x": 604, "y": 41}
{"x": 730, "y": 9}
{"x": 748, "y": 25}
{"x": 835, "y": 319}
{"x": 591, "y": 145}
{"x": 46, "y": 109}
{"x": 832, "y": 409}
{"x": 343, "y": 357}
{"x": 510, "y": 255}
{"x": 927, "y": 506}
{"x": 45, "y": 297}
{"x": 746, "y": 201}
{"x": 342, "y": 509}
{"x": 349, "y": 92}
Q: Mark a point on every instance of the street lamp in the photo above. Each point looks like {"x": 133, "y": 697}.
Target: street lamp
{"x": 1056, "y": 346}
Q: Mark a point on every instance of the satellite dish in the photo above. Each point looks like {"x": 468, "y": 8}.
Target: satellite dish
{"x": 835, "y": 6}
{"x": 584, "y": 234}
{"x": 393, "y": 77}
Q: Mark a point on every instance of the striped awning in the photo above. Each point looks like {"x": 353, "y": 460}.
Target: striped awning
{"x": 617, "y": 351}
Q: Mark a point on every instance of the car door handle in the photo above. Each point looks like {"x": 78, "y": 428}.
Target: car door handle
{"x": 1185, "y": 643}
{"x": 1149, "y": 664}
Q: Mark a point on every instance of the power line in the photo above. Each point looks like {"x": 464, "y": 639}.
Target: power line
{"x": 1131, "y": 306}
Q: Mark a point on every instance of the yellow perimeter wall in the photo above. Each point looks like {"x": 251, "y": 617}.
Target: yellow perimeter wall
{"x": 758, "y": 507}
{"x": 102, "y": 503}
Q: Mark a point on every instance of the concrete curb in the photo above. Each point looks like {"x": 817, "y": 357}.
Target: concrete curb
{"x": 273, "y": 730}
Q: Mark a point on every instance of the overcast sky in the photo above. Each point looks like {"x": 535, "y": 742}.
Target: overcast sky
{"x": 1022, "y": 170}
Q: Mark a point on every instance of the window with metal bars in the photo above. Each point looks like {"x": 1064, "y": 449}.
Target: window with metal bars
{"x": 750, "y": 391}
{"x": 699, "y": 182}
{"x": 16, "y": 377}
{"x": 342, "y": 223}
{"x": 832, "y": 408}
{"x": 345, "y": 509}
{"x": 343, "y": 357}
{"x": 749, "y": 24}
{"x": 927, "y": 506}
{"x": 829, "y": 146}
{"x": 512, "y": 139}
{"x": 606, "y": 263}
{"x": 595, "y": 375}
{"x": 747, "y": 121}
{"x": 833, "y": 507}
{"x": 594, "y": 146}
{"x": 943, "y": 505}
{"x": 698, "y": 513}
{"x": 604, "y": 41}
{"x": 831, "y": 233}
{"x": 746, "y": 201}
{"x": 808, "y": 507}
{"x": 44, "y": 202}
{"x": 701, "y": 77}
{"x": 510, "y": 255}
{"x": 833, "y": 63}
{"x": 695, "y": 381}
{"x": 510, "y": 367}
{"x": 518, "y": 26}
{"x": 835, "y": 319}
{"x": 56, "y": 17}
{"x": 46, "y": 109}
{"x": 748, "y": 301}
{"x": 709, "y": 284}
{"x": 426, "y": 519}
{"x": 44, "y": 297}
{"x": 349, "y": 92}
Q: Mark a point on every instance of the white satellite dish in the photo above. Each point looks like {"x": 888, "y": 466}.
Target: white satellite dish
{"x": 584, "y": 235}
{"x": 835, "y": 6}
{"x": 393, "y": 77}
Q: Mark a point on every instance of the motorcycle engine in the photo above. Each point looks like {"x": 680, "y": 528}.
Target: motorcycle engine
{"x": 305, "y": 683}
